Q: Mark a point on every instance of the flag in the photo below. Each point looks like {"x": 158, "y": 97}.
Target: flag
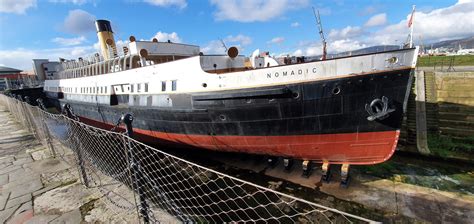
{"x": 410, "y": 21}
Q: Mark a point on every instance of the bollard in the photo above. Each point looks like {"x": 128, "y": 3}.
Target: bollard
{"x": 137, "y": 175}
{"x": 77, "y": 143}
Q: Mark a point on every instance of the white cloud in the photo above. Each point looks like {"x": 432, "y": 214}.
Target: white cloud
{"x": 377, "y": 20}
{"x": 242, "y": 39}
{"x": 79, "y": 22}
{"x": 164, "y": 37}
{"x": 298, "y": 53}
{"x": 16, "y": 6}
{"x": 22, "y": 58}
{"x": 337, "y": 46}
{"x": 346, "y": 32}
{"x": 440, "y": 24}
{"x": 69, "y": 41}
{"x": 216, "y": 47}
{"x": 254, "y": 10}
{"x": 295, "y": 24}
{"x": 166, "y": 3}
{"x": 276, "y": 40}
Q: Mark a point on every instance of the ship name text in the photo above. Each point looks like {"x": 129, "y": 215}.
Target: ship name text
{"x": 290, "y": 73}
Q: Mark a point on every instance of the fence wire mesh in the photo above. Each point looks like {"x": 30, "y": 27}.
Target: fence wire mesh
{"x": 154, "y": 186}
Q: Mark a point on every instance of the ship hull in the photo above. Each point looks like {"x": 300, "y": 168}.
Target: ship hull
{"x": 336, "y": 120}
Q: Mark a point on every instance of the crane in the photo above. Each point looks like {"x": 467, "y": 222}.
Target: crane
{"x": 321, "y": 33}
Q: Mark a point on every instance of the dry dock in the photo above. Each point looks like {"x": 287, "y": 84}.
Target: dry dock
{"x": 39, "y": 188}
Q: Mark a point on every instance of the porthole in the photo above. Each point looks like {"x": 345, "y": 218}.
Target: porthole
{"x": 222, "y": 117}
{"x": 296, "y": 95}
{"x": 204, "y": 85}
{"x": 336, "y": 90}
{"x": 392, "y": 60}
{"x": 248, "y": 100}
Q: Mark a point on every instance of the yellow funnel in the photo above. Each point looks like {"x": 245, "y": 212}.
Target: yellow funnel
{"x": 106, "y": 39}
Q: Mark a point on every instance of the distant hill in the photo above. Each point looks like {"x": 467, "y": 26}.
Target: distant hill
{"x": 369, "y": 50}
{"x": 466, "y": 43}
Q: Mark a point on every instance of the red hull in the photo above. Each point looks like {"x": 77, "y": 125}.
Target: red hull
{"x": 350, "y": 148}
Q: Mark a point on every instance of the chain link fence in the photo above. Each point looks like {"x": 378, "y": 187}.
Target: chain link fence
{"x": 141, "y": 181}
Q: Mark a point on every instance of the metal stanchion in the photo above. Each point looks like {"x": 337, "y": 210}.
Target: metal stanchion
{"x": 46, "y": 129}
{"x": 77, "y": 144}
{"x": 137, "y": 175}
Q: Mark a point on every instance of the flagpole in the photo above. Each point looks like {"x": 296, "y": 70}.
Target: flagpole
{"x": 412, "y": 25}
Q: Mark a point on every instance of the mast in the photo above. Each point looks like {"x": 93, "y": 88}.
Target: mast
{"x": 410, "y": 24}
{"x": 223, "y": 44}
{"x": 321, "y": 33}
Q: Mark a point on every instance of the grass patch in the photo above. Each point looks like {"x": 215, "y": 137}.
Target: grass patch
{"x": 459, "y": 60}
{"x": 445, "y": 146}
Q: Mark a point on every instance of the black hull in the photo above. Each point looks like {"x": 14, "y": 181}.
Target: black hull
{"x": 326, "y": 107}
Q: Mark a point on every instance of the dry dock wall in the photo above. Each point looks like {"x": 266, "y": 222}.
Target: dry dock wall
{"x": 453, "y": 94}
{"x": 449, "y": 103}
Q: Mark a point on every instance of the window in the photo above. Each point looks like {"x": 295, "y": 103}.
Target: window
{"x": 105, "y": 91}
{"x": 131, "y": 87}
{"x": 163, "y": 86}
{"x": 146, "y": 87}
{"x": 173, "y": 85}
{"x": 101, "y": 89}
{"x": 139, "y": 86}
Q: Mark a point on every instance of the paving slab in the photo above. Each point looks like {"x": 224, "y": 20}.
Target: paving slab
{"x": 25, "y": 207}
{"x": 41, "y": 219}
{"x": 7, "y": 213}
{"x": 6, "y": 159}
{"x": 22, "y": 217}
{"x": 64, "y": 176}
{"x": 19, "y": 200}
{"x": 9, "y": 169}
{"x": 69, "y": 217}
{"x": 46, "y": 166}
{"x": 5, "y": 165}
{"x": 46, "y": 188}
{"x": 21, "y": 161}
{"x": 22, "y": 174}
{"x": 3, "y": 200}
{"x": 3, "y": 179}
{"x": 26, "y": 188}
{"x": 63, "y": 199}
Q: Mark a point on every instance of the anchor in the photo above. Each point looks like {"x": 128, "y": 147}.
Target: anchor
{"x": 378, "y": 109}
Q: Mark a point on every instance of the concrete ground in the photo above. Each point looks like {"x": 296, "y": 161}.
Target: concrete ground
{"x": 394, "y": 199}
{"x": 37, "y": 188}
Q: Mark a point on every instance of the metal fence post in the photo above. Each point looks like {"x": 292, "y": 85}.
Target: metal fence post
{"x": 137, "y": 175}
{"x": 46, "y": 129}
{"x": 77, "y": 143}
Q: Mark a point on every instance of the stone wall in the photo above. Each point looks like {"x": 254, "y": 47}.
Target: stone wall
{"x": 453, "y": 97}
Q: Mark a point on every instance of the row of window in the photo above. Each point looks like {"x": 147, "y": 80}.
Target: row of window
{"x": 138, "y": 88}
{"x": 173, "y": 85}
{"x": 101, "y": 89}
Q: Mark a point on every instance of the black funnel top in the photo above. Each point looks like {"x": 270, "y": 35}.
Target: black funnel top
{"x": 103, "y": 25}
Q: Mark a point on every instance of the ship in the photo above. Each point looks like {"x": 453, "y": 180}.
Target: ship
{"x": 345, "y": 110}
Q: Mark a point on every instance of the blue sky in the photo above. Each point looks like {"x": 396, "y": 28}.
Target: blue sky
{"x": 64, "y": 28}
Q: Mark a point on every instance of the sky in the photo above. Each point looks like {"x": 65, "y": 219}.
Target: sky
{"x": 49, "y": 29}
